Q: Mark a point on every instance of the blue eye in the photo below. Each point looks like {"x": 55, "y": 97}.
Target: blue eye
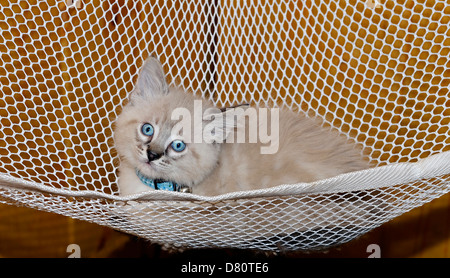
{"x": 178, "y": 145}
{"x": 147, "y": 129}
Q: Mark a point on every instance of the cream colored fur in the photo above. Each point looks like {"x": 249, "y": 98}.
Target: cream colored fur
{"x": 307, "y": 152}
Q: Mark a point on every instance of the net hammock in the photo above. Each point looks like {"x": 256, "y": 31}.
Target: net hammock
{"x": 378, "y": 72}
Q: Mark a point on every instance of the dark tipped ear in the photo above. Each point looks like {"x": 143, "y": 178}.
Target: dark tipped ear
{"x": 218, "y": 124}
{"x": 235, "y": 106}
{"x": 151, "y": 80}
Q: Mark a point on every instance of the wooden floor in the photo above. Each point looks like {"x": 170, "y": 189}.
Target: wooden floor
{"x": 423, "y": 232}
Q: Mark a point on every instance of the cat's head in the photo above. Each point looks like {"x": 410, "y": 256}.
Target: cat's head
{"x": 146, "y": 138}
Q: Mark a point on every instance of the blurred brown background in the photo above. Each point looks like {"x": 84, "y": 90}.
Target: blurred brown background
{"x": 423, "y": 232}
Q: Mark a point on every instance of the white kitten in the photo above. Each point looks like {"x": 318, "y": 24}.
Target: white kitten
{"x": 153, "y": 150}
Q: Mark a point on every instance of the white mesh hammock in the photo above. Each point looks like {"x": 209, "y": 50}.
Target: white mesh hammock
{"x": 377, "y": 72}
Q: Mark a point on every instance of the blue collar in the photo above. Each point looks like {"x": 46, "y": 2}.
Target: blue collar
{"x": 160, "y": 184}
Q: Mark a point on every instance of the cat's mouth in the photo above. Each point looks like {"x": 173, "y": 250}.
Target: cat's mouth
{"x": 151, "y": 164}
{"x": 158, "y": 165}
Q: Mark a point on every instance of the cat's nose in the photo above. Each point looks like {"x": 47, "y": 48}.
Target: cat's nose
{"x": 152, "y": 155}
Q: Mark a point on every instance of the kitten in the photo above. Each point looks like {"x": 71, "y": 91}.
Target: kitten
{"x": 155, "y": 154}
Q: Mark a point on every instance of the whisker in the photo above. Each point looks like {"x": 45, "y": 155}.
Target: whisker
{"x": 162, "y": 165}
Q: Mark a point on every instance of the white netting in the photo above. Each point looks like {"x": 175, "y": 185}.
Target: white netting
{"x": 377, "y": 72}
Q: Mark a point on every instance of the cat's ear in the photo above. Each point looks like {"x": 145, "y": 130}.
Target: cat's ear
{"x": 151, "y": 80}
